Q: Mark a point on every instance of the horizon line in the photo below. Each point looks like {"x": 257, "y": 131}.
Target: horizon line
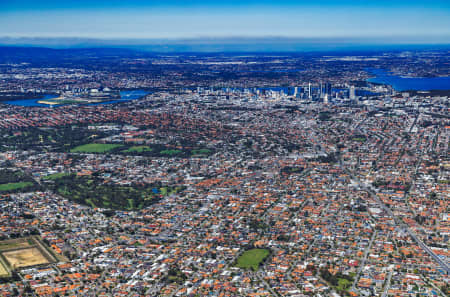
{"x": 232, "y": 37}
{"x": 215, "y": 44}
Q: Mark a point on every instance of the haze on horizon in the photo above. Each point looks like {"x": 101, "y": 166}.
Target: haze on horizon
{"x": 172, "y": 19}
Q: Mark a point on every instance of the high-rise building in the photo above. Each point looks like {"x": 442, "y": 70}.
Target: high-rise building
{"x": 327, "y": 89}
{"x": 352, "y": 93}
{"x": 309, "y": 91}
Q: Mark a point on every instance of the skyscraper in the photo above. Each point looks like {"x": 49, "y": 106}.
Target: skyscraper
{"x": 352, "y": 93}
{"x": 328, "y": 89}
{"x": 309, "y": 91}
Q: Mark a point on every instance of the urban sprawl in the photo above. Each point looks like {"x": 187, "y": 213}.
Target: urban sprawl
{"x": 233, "y": 176}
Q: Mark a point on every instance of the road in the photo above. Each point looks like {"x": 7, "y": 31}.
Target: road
{"x": 363, "y": 262}
{"x": 398, "y": 222}
{"x": 388, "y": 283}
{"x": 402, "y": 225}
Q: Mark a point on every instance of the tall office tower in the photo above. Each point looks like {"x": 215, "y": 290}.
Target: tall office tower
{"x": 328, "y": 89}
{"x": 325, "y": 98}
{"x": 295, "y": 91}
{"x": 309, "y": 91}
{"x": 352, "y": 93}
{"x": 320, "y": 90}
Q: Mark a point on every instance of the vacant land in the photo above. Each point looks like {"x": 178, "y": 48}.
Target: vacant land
{"x": 25, "y": 252}
{"x": 15, "y": 186}
{"x": 3, "y": 271}
{"x": 13, "y": 244}
{"x": 95, "y": 148}
{"x": 25, "y": 257}
{"x": 252, "y": 258}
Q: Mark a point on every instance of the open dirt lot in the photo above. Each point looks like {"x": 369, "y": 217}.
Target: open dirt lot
{"x": 3, "y": 271}
{"x": 25, "y": 257}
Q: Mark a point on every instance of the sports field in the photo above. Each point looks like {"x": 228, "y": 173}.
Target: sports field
{"x": 56, "y": 175}
{"x": 14, "y": 186}
{"x": 95, "y": 148}
{"x": 252, "y": 258}
{"x": 25, "y": 257}
{"x": 138, "y": 149}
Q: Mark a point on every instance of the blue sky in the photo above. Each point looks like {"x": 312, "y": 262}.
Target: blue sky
{"x": 232, "y": 18}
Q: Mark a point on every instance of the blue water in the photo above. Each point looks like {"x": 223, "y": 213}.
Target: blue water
{"x": 125, "y": 96}
{"x": 30, "y": 102}
{"x": 410, "y": 83}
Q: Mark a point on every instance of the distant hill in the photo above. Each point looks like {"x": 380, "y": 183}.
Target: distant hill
{"x": 86, "y": 47}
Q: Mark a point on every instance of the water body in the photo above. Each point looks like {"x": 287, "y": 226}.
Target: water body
{"x": 409, "y": 83}
{"x": 125, "y": 96}
{"x": 30, "y": 102}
